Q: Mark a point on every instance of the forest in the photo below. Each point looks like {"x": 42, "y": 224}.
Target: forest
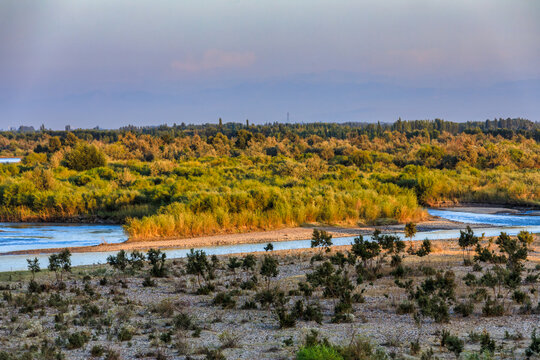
{"x": 191, "y": 180}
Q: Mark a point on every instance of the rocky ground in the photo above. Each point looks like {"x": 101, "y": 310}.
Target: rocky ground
{"x": 127, "y": 315}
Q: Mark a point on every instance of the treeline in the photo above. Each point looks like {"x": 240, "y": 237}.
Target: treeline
{"x": 507, "y": 128}
{"x": 194, "y": 180}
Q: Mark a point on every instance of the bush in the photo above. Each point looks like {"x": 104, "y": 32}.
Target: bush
{"x": 165, "y": 308}
{"x": 269, "y": 297}
{"x": 77, "y": 340}
{"x": 148, "y": 282}
{"x": 4, "y": 355}
{"x": 205, "y": 290}
{"x": 97, "y": 351}
{"x": 313, "y": 312}
{"x": 112, "y": 355}
{"x": 415, "y": 347}
{"x": 362, "y": 348}
{"x": 125, "y": 334}
{"x": 34, "y": 287}
{"x": 477, "y": 356}
{"x": 487, "y": 344}
{"x": 214, "y": 354}
{"x": 520, "y": 297}
{"x": 470, "y": 279}
{"x": 405, "y": 307}
{"x": 183, "y": 321}
{"x": 493, "y": 308}
{"x": 249, "y": 284}
{"x": 452, "y": 343}
{"x": 286, "y": 319}
{"x": 464, "y": 309}
{"x": 534, "y": 347}
{"x": 318, "y": 352}
{"x": 225, "y": 300}
{"x": 84, "y": 157}
{"x": 229, "y": 340}
{"x": 166, "y": 337}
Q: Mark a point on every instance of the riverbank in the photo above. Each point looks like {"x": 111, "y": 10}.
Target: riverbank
{"x": 492, "y": 209}
{"x": 286, "y": 234}
{"x": 451, "y": 219}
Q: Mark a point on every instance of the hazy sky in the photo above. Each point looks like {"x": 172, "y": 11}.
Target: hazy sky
{"x": 112, "y": 63}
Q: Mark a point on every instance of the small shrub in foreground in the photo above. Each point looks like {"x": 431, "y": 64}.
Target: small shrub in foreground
{"x": 453, "y": 343}
{"x": 493, "y": 308}
{"x": 183, "y": 321}
{"x": 97, "y": 351}
{"x": 534, "y": 347}
{"x": 464, "y": 309}
{"x": 318, "y": 352}
{"x": 225, "y": 300}
{"x": 77, "y": 340}
{"x": 125, "y": 334}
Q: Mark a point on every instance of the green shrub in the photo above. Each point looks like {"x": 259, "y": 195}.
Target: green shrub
{"x": 4, "y": 355}
{"x": 487, "y": 344}
{"x": 112, "y": 355}
{"x": 464, "y": 308}
{"x": 97, "y": 351}
{"x": 249, "y": 305}
{"x": 318, "y": 352}
{"x": 520, "y": 297}
{"x": 453, "y": 343}
{"x": 493, "y": 308}
{"x": 84, "y": 157}
{"x": 77, "y": 340}
{"x": 361, "y": 348}
{"x": 206, "y": 289}
{"x": 479, "y": 356}
{"x": 269, "y": 297}
{"x": 534, "y": 346}
{"x": 313, "y": 312}
{"x": 405, "y": 307}
{"x": 125, "y": 334}
{"x": 214, "y": 354}
{"x": 286, "y": 319}
{"x": 166, "y": 337}
{"x": 183, "y": 321}
{"x": 415, "y": 347}
{"x": 225, "y": 300}
{"x": 148, "y": 282}
{"x": 249, "y": 284}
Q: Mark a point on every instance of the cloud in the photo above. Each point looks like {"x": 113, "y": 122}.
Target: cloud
{"x": 216, "y": 59}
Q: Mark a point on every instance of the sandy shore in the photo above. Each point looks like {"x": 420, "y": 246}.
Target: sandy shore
{"x": 286, "y": 234}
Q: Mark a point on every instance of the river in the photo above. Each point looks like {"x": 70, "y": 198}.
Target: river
{"x": 9, "y": 160}
{"x": 41, "y": 236}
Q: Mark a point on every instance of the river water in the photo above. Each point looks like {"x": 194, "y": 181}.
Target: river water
{"x": 9, "y": 160}
{"x": 41, "y": 236}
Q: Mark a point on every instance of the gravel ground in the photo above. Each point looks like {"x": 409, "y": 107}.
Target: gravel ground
{"x": 149, "y": 312}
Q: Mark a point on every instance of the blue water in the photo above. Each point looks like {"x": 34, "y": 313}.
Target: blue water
{"x": 40, "y": 236}
{"x": 24, "y": 236}
{"x": 495, "y": 219}
{"x": 9, "y": 160}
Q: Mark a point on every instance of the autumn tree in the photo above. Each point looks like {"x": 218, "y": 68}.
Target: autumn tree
{"x": 84, "y": 157}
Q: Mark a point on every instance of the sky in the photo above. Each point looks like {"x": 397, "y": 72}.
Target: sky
{"x": 106, "y": 63}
